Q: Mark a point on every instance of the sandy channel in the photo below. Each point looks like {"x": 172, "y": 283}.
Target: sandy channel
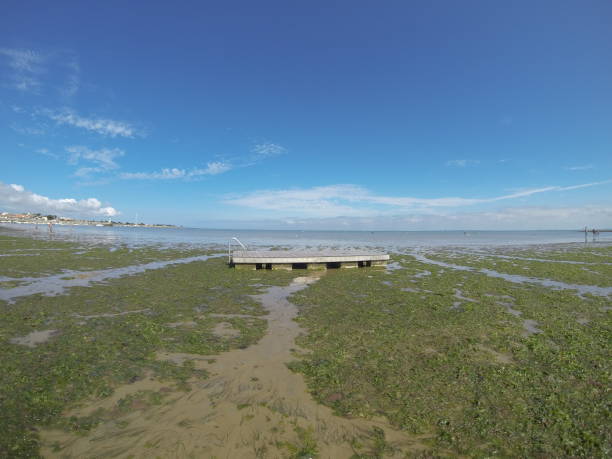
{"x": 251, "y": 406}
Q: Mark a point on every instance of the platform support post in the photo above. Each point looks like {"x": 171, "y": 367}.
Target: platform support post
{"x": 379, "y": 263}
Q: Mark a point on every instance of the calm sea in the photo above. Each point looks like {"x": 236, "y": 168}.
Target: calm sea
{"x": 302, "y": 239}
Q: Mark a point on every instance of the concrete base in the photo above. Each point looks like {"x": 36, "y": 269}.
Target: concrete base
{"x": 349, "y": 264}
{"x": 285, "y": 266}
{"x": 317, "y": 266}
{"x": 246, "y": 266}
{"x": 379, "y": 264}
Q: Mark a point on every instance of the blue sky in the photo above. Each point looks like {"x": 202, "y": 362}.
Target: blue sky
{"x": 310, "y": 115}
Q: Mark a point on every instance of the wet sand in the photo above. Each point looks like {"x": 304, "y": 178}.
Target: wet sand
{"x": 251, "y": 406}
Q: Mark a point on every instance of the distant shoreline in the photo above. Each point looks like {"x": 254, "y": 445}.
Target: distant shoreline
{"x": 93, "y": 223}
{"x": 39, "y": 219}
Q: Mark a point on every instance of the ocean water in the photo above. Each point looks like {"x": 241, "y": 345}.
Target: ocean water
{"x": 387, "y": 240}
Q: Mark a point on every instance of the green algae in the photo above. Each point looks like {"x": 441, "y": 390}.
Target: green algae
{"x": 595, "y": 273}
{"x": 582, "y": 253}
{"x": 46, "y": 257}
{"x": 470, "y": 378}
{"x": 110, "y": 334}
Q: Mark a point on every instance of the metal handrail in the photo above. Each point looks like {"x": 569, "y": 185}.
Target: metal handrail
{"x": 229, "y": 248}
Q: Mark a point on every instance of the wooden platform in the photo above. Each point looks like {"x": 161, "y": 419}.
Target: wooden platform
{"x": 280, "y": 259}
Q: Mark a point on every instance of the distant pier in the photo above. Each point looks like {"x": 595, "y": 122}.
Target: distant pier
{"x": 595, "y": 232}
{"x": 316, "y": 260}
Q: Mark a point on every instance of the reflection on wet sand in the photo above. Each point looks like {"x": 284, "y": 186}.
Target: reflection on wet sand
{"x": 251, "y": 406}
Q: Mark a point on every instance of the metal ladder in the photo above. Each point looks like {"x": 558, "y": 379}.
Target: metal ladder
{"x": 229, "y": 248}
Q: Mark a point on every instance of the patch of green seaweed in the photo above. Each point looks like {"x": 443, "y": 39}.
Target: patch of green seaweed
{"x": 109, "y": 335}
{"x": 467, "y": 376}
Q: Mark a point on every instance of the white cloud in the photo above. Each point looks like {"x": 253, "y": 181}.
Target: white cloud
{"x": 26, "y": 66}
{"x": 104, "y": 158}
{"x": 580, "y": 168}
{"x": 265, "y": 150}
{"x": 85, "y": 172}
{"x": 462, "y": 162}
{"x": 212, "y": 168}
{"x": 259, "y": 152}
{"x": 337, "y": 200}
{"x": 101, "y": 126}
{"x": 164, "y": 174}
{"x": 46, "y": 152}
{"x": 31, "y": 71}
{"x": 16, "y": 197}
{"x": 513, "y": 218}
{"x": 23, "y": 60}
{"x": 317, "y": 201}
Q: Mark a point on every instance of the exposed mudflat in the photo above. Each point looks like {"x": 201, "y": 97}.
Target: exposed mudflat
{"x": 251, "y": 406}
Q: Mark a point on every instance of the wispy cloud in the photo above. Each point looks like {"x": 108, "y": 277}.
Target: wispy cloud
{"x": 30, "y": 70}
{"x": 28, "y": 130}
{"x": 26, "y": 67}
{"x": 72, "y": 82}
{"x": 258, "y": 153}
{"x": 46, "y": 152}
{"x": 102, "y": 126}
{"x": 103, "y": 159}
{"x": 16, "y": 197}
{"x": 462, "y": 162}
{"x": 265, "y": 150}
{"x": 511, "y": 218}
{"x": 212, "y": 168}
{"x": 338, "y": 200}
{"x": 580, "y": 168}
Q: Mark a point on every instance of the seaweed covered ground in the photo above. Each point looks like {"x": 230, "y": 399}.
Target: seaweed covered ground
{"x": 137, "y": 352}
{"x": 480, "y": 365}
{"x": 82, "y": 344}
{"x": 590, "y": 267}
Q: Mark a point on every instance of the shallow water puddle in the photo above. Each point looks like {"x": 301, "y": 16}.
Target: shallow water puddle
{"x": 251, "y": 406}
{"x": 423, "y": 273}
{"x": 484, "y": 255}
{"x": 34, "y": 338}
{"x": 109, "y": 314}
{"x": 184, "y": 324}
{"x": 459, "y": 295}
{"x": 518, "y": 279}
{"x": 393, "y": 266}
{"x": 58, "y": 283}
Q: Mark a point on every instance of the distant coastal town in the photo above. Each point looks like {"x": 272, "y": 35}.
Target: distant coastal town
{"x": 41, "y": 219}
